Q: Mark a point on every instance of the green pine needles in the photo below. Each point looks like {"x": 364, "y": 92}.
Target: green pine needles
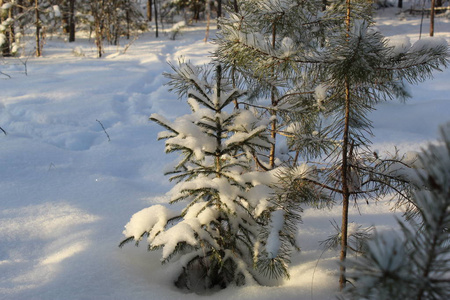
{"x": 325, "y": 68}
{"x": 415, "y": 265}
{"x": 312, "y": 74}
{"x": 231, "y": 224}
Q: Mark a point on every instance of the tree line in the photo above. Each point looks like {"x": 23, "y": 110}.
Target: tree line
{"x": 105, "y": 20}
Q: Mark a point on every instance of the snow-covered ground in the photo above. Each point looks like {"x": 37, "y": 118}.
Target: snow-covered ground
{"x": 68, "y": 187}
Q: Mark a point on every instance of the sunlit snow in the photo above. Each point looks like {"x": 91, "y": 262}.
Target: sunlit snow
{"x": 67, "y": 191}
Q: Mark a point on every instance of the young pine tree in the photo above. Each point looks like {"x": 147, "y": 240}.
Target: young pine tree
{"x": 415, "y": 265}
{"x": 216, "y": 234}
{"x": 336, "y": 67}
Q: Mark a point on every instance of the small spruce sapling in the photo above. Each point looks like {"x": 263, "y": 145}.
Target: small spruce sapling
{"x": 215, "y": 234}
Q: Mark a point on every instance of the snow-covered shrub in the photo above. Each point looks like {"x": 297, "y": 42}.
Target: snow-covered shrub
{"x": 176, "y": 29}
{"x": 416, "y": 264}
{"x": 231, "y": 222}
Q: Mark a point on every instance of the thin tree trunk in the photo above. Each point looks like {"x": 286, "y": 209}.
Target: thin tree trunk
{"x": 149, "y": 10}
{"x": 345, "y": 188}
{"x": 218, "y": 153}
{"x": 6, "y": 47}
{"x": 11, "y": 33}
{"x": 127, "y": 16}
{"x": 156, "y": 18}
{"x": 71, "y": 20}
{"x": 273, "y": 129}
{"x": 344, "y": 170}
{"x": 432, "y": 18}
{"x": 208, "y": 19}
{"x": 2, "y": 48}
{"x": 98, "y": 13}
{"x": 233, "y": 69}
{"x": 38, "y": 28}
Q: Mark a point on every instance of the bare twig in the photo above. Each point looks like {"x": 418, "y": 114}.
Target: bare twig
{"x": 103, "y": 127}
{"x": 4, "y": 74}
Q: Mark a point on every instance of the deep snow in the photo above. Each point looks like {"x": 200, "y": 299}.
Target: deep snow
{"x": 66, "y": 192}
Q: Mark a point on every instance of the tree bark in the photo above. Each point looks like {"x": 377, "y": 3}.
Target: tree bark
{"x": 156, "y": 18}
{"x": 236, "y": 6}
{"x": 273, "y": 130}
{"x": 344, "y": 169}
{"x": 149, "y": 10}
{"x": 6, "y": 47}
{"x": 208, "y": 19}
{"x": 38, "y": 28}
{"x": 71, "y": 20}
{"x": 432, "y": 18}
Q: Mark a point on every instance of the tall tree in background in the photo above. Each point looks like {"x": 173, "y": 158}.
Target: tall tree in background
{"x": 38, "y": 28}
{"x": 6, "y": 29}
{"x": 155, "y": 6}
{"x": 432, "y": 13}
{"x": 149, "y": 10}
{"x": 68, "y": 18}
{"x": 71, "y": 20}
{"x": 98, "y": 13}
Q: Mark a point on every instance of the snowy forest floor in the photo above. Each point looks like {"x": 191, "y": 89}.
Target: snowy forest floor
{"x": 68, "y": 186}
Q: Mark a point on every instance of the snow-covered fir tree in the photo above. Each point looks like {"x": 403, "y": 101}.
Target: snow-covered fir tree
{"x": 330, "y": 67}
{"x": 415, "y": 265}
{"x": 232, "y": 224}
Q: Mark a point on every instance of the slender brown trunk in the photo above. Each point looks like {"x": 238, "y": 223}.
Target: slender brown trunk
{"x": 6, "y": 47}
{"x": 156, "y": 18}
{"x": 3, "y": 47}
{"x": 11, "y": 34}
{"x": 38, "y": 28}
{"x": 71, "y": 20}
{"x": 345, "y": 188}
{"x": 218, "y": 153}
{"x": 208, "y": 19}
{"x": 149, "y": 10}
{"x": 128, "y": 19}
{"x": 344, "y": 170}
{"x": 432, "y": 18}
{"x": 236, "y": 6}
{"x": 98, "y": 13}
{"x": 273, "y": 129}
